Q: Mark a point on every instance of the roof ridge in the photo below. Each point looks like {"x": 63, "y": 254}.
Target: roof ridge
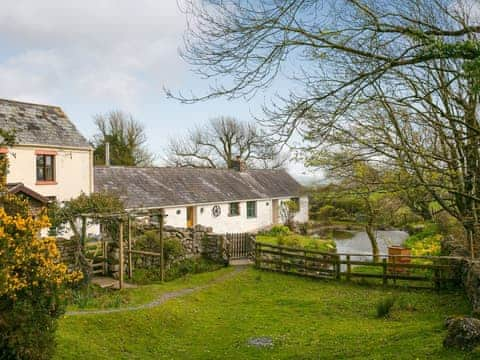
{"x": 28, "y": 103}
{"x": 181, "y": 168}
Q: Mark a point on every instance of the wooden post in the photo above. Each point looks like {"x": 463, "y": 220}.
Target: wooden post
{"x": 121, "y": 259}
{"x": 162, "y": 260}
{"x": 129, "y": 239}
{"x": 349, "y": 268}
{"x": 257, "y": 255}
{"x": 338, "y": 267}
{"x": 280, "y": 252}
{"x": 436, "y": 277}
{"x": 305, "y": 271}
{"x": 384, "y": 266}
{"x": 83, "y": 239}
{"x": 105, "y": 256}
{"x": 394, "y": 270}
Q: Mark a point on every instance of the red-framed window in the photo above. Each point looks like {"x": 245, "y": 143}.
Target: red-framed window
{"x": 45, "y": 166}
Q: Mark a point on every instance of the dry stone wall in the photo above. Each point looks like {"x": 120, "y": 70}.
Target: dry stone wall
{"x": 198, "y": 241}
{"x": 467, "y": 270}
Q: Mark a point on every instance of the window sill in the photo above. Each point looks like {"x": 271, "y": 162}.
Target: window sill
{"x": 46, "y": 182}
{"x": 230, "y": 215}
{"x": 251, "y": 217}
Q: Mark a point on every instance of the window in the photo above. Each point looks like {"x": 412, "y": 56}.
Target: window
{"x": 234, "y": 209}
{"x": 251, "y": 209}
{"x": 45, "y": 167}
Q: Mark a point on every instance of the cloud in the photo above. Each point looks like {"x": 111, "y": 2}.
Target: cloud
{"x": 102, "y": 50}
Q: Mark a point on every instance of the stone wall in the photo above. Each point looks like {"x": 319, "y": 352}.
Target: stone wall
{"x": 67, "y": 249}
{"x": 199, "y": 241}
{"x": 467, "y": 270}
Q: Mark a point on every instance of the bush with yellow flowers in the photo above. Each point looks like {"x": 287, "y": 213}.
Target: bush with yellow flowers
{"x": 32, "y": 283}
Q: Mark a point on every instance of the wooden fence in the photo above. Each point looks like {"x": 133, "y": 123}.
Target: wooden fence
{"x": 424, "y": 271}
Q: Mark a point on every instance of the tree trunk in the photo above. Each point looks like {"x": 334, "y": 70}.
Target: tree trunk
{"x": 373, "y": 240}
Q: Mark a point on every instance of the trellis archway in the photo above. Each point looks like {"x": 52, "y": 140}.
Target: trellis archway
{"x": 124, "y": 223}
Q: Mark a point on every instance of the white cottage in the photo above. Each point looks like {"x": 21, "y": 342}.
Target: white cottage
{"x": 50, "y": 160}
{"x": 228, "y": 200}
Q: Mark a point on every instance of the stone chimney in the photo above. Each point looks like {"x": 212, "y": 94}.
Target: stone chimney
{"x": 239, "y": 164}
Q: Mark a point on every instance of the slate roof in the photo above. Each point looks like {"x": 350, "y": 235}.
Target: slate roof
{"x": 15, "y": 188}
{"x": 39, "y": 124}
{"x": 152, "y": 187}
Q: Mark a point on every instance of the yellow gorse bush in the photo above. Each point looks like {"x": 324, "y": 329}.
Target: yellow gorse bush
{"x": 28, "y": 261}
{"x": 429, "y": 246}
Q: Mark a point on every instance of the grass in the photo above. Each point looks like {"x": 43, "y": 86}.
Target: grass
{"x": 97, "y": 298}
{"x": 295, "y": 240}
{"x": 306, "y": 318}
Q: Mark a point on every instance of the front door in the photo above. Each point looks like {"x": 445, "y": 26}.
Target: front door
{"x": 190, "y": 216}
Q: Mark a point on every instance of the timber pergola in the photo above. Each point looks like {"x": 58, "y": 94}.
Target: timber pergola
{"x": 126, "y": 217}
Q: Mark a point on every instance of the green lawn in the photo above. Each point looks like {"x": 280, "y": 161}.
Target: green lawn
{"x": 295, "y": 240}
{"x": 109, "y": 298}
{"x": 307, "y": 319}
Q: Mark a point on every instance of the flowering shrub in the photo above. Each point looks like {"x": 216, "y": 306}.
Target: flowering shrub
{"x": 32, "y": 284}
{"x": 429, "y": 246}
{"x": 426, "y": 242}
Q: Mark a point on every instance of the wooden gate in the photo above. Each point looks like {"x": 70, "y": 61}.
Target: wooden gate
{"x": 96, "y": 253}
{"x": 240, "y": 245}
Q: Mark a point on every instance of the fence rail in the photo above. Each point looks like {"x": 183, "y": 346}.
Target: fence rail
{"x": 428, "y": 271}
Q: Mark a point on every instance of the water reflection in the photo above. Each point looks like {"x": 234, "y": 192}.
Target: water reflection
{"x": 359, "y": 243}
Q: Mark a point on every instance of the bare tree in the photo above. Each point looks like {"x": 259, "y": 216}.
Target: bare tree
{"x": 394, "y": 80}
{"x": 126, "y": 137}
{"x": 219, "y": 143}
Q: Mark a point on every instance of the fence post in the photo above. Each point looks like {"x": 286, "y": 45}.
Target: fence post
{"x": 105, "y": 257}
{"x": 349, "y": 268}
{"x": 384, "y": 275}
{"x": 338, "y": 269}
{"x": 257, "y": 255}
{"x": 305, "y": 262}
{"x": 281, "y": 259}
{"x": 436, "y": 277}
{"x": 162, "y": 260}
{"x": 83, "y": 239}
{"x": 394, "y": 270}
{"x": 120, "y": 257}
{"x": 129, "y": 239}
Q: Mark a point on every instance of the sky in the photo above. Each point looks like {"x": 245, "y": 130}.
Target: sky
{"x": 90, "y": 57}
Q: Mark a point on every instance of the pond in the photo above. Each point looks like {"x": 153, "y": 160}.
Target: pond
{"x": 359, "y": 242}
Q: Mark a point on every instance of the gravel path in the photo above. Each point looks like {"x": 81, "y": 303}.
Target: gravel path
{"x": 163, "y": 298}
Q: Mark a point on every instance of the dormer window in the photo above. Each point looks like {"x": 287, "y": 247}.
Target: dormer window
{"x": 45, "y": 167}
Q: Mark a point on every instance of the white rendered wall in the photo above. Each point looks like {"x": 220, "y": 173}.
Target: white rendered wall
{"x": 174, "y": 219}
{"x": 73, "y": 171}
{"x": 302, "y": 215}
{"x": 224, "y": 223}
